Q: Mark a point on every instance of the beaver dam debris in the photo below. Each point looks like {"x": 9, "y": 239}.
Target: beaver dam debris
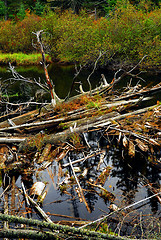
{"x": 60, "y": 136}
{"x": 37, "y": 139}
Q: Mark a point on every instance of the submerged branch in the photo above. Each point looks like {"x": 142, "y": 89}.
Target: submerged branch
{"x": 120, "y": 209}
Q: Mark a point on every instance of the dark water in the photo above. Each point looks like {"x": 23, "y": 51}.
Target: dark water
{"x": 62, "y": 77}
{"x": 125, "y": 180}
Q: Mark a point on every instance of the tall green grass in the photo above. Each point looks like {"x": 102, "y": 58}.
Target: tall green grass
{"x": 22, "y": 58}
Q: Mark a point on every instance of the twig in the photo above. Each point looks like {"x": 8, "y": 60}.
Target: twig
{"x": 146, "y": 139}
{"x": 75, "y": 76}
{"x": 86, "y": 140}
{"x": 43, "y": 214}
{"x": 80, "y": 189}
{"x": 142, "y": 232}
{"x": 94, "y": 68}
{"x": 5, "y": 190}
{"x": 83, "y": 159}
{"x": 125, "y": 73}
{"x": 25, "y": 194}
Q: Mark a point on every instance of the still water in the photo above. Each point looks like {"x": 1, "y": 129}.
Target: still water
{"x": 62, "y": 77}
{"x": 125, "y": 179}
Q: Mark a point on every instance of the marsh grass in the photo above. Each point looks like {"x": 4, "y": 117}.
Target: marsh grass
{"x": 22, "y": 58}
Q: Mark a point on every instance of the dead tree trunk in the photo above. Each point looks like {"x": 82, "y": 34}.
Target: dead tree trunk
{"x": 54, "y": 97}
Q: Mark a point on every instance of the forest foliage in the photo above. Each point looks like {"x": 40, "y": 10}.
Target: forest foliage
{"x": 124, "y": 36}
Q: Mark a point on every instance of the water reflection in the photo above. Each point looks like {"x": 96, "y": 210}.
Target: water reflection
{"x": 127, "y": 181}
{"x": 62, "y": 77}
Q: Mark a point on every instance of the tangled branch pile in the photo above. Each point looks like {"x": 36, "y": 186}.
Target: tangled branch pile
{"x": 53, "y": 133}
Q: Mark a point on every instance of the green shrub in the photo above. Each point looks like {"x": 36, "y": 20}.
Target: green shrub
{"x": 18, "y": 37}
{"x": 127, "y": 35}
{"x": 79, "y": 38}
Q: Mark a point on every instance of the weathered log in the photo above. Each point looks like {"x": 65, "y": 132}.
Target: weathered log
{"x": 25, "y": 125}
{"x": 29, "y": 234}
{"x": 92, "y": 123}
{"x": 62, "y": 229}
{"x": 12, "y": 139}
{"x": 44, "y": 154}
{"x": 20, "y": 122}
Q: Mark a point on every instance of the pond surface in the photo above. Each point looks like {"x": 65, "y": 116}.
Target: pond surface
{"x": 126, "y": 176}
{"x": 62, "y": 77}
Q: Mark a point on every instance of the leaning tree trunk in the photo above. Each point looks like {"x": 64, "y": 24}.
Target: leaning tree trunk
{"x": 54, "y": 97}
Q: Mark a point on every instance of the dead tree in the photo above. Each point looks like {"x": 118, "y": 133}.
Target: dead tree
{"x": 54, "y": 97}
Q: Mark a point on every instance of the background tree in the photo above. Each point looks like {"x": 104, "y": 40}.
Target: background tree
{"x": 102, "y": 7}
{"x": 17, "y": 8}
{"x": 75, "y": 5}
{"x": 39, "y": 8}
{"x": 2, "y": 9}
{"x": 13, "y": 8}
{"x": 21, "y": 12}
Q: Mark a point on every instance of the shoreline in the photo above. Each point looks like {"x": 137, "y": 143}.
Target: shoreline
{"x": 24, "y": 59}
